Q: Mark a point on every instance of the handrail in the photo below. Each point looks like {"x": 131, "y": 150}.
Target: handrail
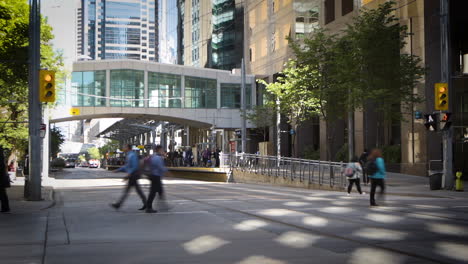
{"x": 314, "y": 171}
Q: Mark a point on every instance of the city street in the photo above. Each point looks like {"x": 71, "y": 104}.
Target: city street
{"x": 232, "y": 223}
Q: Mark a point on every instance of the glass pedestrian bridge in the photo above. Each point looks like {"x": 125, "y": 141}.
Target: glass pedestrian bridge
{"x": 183, "y": 94}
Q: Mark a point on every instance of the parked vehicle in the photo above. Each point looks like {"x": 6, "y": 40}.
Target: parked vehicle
{"x": 94, "y": 163}
{"x": 70, "y": 163}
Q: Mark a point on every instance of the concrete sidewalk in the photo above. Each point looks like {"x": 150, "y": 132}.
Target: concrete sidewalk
{"x": 411, "y": 185}
{"x": 19, "y": 204}
{"x": 23, "y": 230}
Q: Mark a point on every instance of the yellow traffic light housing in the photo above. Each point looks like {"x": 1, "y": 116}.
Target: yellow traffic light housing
{"x": 441, "y": 95}
{"x": 46, "y": 86}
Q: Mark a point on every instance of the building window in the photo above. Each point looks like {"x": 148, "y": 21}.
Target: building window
{"x": 200, "y": 93}
{"x": 329, "y": 11}
{"x": 250, "y": 54}
{"x": 89, "y": 83}
{"x": 231, "y": 95}
{"x": 127, "y": 84}
{"x": 164, "y": 90}
{"x": 346, "y": 6}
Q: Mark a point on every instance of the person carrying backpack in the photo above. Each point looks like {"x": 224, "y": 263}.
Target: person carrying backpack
{"x": 353, "y": 172}
{"x": 375, "y": 167}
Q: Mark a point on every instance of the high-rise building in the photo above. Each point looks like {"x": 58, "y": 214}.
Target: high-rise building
{"x": 194, "y": 32}
{"x": 168, "y": 20}
{"x": 119, "y": 29}
{"x": 227, "y": 35}
{"x": 210, "y": 33}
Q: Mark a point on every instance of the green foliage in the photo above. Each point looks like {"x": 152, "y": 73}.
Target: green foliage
{"x": 262, "y": 116}
{"x": 56, "y": 140}
{"x": 111, "y": 146}
{"x": 392, "y": 153}
{"x": 310, "y": 153}
{"x": 382, "y": 72}
{"x": 332, "y": 74}
{"x": 14, "y": 42}
{"x": 94, "y": 153}
{"x": 342, "y": 154}
{"x": 82, "y": 158}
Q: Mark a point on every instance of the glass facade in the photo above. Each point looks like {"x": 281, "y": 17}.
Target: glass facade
{"x": 119, "y": 29}
{"x": 127, "y": 89}
{"x": 127, "y": 84}
{"x": 200, "y": 93}
{"x": 89, "y": 83}
{"x": 226, "y": 35}
{"x": 168, "y": 19}
{"x": 231, "y": 95}
{"x": 164, "y": 90}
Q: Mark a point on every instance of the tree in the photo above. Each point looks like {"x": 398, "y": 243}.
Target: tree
{"x": 94, "y": 153}
{"x": 383, "y": 73}
{"x": 307, "y": 84}
{"x": 56, "y": 140}
{"x": 262, "y": 116}
{"x": 331, "y": 75}
{"x": 14, "y": 29}
{"x": 111, "y": 146}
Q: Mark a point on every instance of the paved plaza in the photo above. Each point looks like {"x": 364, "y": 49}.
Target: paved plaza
{"x": 230, "y": 223}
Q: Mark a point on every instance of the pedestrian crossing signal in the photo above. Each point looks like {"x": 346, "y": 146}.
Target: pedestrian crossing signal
{"x": 446, "y": 121}
{"x": 430, "y": 122}
{"x": 46, "y": 86}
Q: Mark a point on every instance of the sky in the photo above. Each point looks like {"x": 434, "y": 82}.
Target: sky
{"x": 61, "y": 15}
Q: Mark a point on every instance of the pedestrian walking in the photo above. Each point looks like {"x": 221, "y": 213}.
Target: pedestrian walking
{"x": 156, "y": 172}
{"x": 189, "y": 157}
{"x": 132, "y": 169}
{"x": 363, "y": 161}
{"x": 4, "y": 184}
{"x": 216, "y": 157}
{"x": 375, "y": 167}
{"x": 353, "y": 172}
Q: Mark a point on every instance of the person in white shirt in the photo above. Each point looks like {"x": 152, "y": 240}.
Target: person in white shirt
{"x": 353, "y": 172}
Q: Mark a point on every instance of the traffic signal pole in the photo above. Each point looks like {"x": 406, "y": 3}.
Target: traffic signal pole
{"x": 447, "y": 180}
{"x": 33, "y": 188}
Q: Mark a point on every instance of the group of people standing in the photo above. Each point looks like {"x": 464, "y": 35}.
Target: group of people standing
{"x": 368, "y": 167}
{"x": 152, "y": 166}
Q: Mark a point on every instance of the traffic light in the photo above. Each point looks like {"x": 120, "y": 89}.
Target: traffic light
{"x": 446, "y": 121}
{"x": 430, "y": 121}
{"x": 441, "y": 95}
{"x": 46, "y": 86}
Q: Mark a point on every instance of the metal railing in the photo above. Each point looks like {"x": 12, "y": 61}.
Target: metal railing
{"x": 312, "y": 171}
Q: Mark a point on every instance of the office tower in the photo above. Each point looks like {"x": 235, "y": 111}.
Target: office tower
{"x": 119, "y": 29}
{"x": 227, "y": 34}
{"x": 168, "y": 42}
{"x": 210, "y": 33}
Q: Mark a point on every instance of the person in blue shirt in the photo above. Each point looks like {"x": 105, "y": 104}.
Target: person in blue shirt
{"x": 132, "y": 168}
{"x": 157, "y": 171}
{"x": 377, "y": 178}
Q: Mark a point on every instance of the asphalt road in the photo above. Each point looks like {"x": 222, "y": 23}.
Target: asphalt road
{"x": 242, "y": 224}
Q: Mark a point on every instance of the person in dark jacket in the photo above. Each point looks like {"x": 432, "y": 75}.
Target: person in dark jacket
{"x": 4, "y": 183}
{"x": 363, "y": 161}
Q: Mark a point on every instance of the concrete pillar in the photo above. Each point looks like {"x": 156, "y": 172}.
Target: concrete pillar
{"x": 359, "y": 138}
{"x": 182, "y": 91}
{"x": 108, "y": 88}
{"x": 146, "y": 94}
